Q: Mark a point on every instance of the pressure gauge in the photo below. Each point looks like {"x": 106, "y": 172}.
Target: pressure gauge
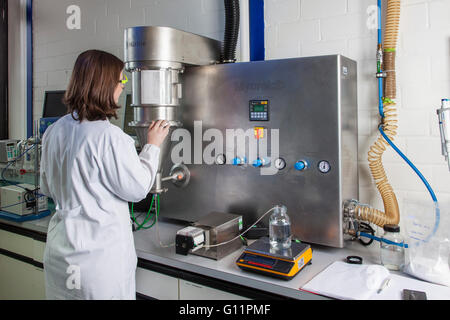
{"x": 324, "y": 166}
{"x": 280, "y": 164}
{"x": 220, "y": 159}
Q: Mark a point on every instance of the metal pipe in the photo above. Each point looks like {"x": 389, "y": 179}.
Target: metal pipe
{"x": 172, "y": 177}
{"x": 36, "y": 166}
{"x": 444, "y": 128}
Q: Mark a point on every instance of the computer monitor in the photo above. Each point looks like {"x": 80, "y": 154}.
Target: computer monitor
{"x": 53, "y": 105}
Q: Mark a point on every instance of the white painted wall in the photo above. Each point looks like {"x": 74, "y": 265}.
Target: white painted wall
{"x": 296, "y": 28}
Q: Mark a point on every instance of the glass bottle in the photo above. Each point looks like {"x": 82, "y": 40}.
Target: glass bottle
{"x": 392, "y": 248}
{"x": 280, "y": 229}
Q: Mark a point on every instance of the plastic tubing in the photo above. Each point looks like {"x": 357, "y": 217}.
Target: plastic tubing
{"x": 391, "y": 214}
{"x": 427, "y": 185}
{"x": 363, "y": 234}
{"x": 388, "y": 129}
{"x": 379, "y": 62}
{"x": 232, "y": 16}
{"x": 390, "y": 44}
{"x": 147, "y": 217}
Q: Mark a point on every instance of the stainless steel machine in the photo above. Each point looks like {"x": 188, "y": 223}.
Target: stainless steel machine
{"x": 156, "y": 57}
{"x": 255, "y": 134}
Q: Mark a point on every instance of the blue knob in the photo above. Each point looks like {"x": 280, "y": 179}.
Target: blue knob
{"x": 238, "y": 161}
{"x": 261, "y": 162}
{"x": 300, "y": 165}
{"x": 257, "y": 163}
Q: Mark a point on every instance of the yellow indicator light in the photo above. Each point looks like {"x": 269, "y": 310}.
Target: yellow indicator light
{"x": 259, "y": 132}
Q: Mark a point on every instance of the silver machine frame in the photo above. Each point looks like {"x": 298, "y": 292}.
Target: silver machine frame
{"x": 312, "y": 107}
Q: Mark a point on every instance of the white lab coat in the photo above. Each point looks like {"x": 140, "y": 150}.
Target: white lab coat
{"x": 91, "y": 170}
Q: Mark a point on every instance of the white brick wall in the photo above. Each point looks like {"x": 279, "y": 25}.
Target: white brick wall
{"x": 313, "y": 9}
{"x": 102, "y": 23}
{"x": 423, "y": 78}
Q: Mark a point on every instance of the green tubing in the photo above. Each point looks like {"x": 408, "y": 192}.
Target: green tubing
{"x": 147, "y": 217}
{"x": 157, "y": 212}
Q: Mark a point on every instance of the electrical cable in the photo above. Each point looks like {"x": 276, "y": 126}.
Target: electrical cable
{"x": 222, "y": 243}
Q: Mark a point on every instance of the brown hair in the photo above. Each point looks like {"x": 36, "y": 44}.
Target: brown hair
{"x": 90, "y": 92}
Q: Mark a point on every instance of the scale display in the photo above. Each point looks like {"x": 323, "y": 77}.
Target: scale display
{"x": 272, "y": 264}
{"x": 259, "y": 110}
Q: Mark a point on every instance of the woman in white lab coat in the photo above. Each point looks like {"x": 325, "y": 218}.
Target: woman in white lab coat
{"x": 91, "y": 169}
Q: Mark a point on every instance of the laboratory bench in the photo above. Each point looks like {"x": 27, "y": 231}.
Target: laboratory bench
{"x": 161, "y": 273}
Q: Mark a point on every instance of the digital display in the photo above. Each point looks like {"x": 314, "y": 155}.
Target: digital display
{"x": 259, "y": 259}
{"x": 258, "y": 108}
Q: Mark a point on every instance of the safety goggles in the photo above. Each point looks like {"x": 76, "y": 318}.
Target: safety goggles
{"x": 124, "y": 81}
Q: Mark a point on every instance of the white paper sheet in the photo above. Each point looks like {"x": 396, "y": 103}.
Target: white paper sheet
{"x": 341, "y": 280}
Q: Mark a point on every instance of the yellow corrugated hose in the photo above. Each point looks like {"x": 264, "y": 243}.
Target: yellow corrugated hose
{"x": 391, "y": 214}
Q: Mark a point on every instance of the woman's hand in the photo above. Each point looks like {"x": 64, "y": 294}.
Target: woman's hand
{"x": 157, "y": 132}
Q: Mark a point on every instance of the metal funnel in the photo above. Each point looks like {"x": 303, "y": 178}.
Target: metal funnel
{"x": 164, "y": 154}
{"x": 165, "y": 147}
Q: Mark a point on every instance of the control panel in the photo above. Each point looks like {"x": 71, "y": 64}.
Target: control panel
{"x": 259, "y": 110}
{"x": 8, "y": 150}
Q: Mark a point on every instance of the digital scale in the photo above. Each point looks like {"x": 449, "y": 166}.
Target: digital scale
{"x": 285, "y": 264}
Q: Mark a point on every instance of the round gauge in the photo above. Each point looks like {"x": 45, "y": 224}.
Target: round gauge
{"x": 280, "y": 164}
{"x": 220, "y": 159}
{"x": 324, "y": 166}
